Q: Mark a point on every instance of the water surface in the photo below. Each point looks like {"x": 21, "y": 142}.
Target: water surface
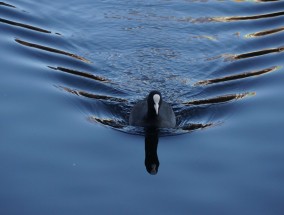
{"x": 71, "y": 71}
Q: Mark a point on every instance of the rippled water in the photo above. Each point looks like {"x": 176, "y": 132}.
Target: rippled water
{"x": 71, "y": 71}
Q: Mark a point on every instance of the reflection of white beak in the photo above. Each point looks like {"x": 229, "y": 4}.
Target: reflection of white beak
{"x": 156, "y": 106}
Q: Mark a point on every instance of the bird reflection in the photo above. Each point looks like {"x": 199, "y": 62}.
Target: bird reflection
{"x": 151, "y": 145}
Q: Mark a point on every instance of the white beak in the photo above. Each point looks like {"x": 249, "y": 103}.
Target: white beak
{"x": 156, "y": 99}
{"x": 156, "y": 106}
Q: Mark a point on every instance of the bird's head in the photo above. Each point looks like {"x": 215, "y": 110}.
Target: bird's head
{"x": 154, "y": 102}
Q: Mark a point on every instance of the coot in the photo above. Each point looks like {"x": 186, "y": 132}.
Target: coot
{"x": 153, "y": 112}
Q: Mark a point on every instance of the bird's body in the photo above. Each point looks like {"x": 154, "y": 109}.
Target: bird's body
{"x": 153, "y": 112}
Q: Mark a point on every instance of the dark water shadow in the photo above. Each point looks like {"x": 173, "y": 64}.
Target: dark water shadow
{"x": 50, "y": 49}
{"x": 6, "y": 4}
{"x": 237, "y": 77}
{"x": 265, "y": 32}
{"x": 247, "y": 18}
{"x": 30, "y": 27}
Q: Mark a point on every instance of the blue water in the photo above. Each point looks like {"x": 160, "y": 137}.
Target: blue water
{"x": 71, "y": 71}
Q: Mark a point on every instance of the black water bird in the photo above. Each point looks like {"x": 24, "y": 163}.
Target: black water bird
{"x": 153, "y": 112}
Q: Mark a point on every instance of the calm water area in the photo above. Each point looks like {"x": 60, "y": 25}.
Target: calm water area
{"x": 70, "y": 72}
